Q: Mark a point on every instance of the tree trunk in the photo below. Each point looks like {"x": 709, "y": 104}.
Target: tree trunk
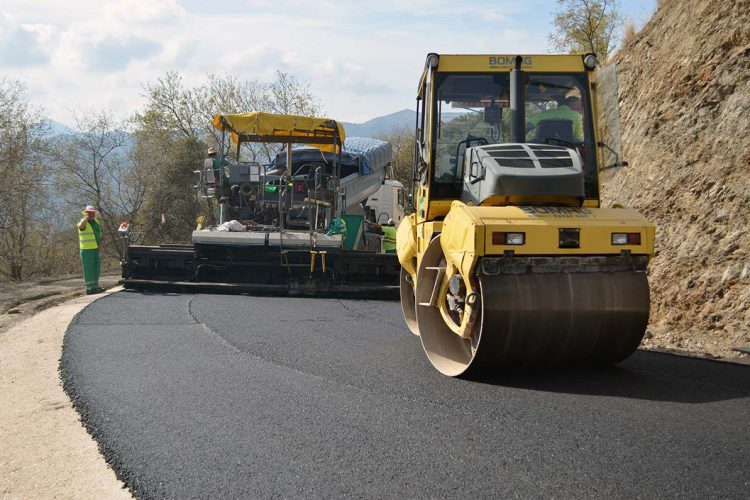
{"x": 16, "y": 271}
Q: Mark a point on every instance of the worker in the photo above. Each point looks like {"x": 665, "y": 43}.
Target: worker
{"x": 89, "y": 241}
{"x": 389, "y": 237}
{"x": 570, "y": 109}
{"x": 337, "y": 226}
{"x": 389, "y": 234}
{"x": 214, "y": 161}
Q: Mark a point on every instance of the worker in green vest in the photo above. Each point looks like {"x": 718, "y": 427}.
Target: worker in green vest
{"x": 570, "y": 109}
{"x": 89, "y": 240}
{"x": 389, "y": 236}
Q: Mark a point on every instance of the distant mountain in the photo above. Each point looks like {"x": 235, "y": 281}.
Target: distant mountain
{"x": 382, "y": 124}
{"x": 57, "y": 128}
{"x": 387, "y": 124}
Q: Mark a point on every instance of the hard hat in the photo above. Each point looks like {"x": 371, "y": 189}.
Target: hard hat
{"x": 390, "y": 222}
{"x": 89, "y": 208}
{"x": 211, "y": 151}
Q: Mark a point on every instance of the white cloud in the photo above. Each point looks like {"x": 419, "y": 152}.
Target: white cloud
{"x": 362, "y": 58}
{"x": 111, "y": 37}
{"x": 114, "y": 53}
{"x": 143, "y": 11}
{"x": 257, "y": 57}
{"x": 23, "y": 44}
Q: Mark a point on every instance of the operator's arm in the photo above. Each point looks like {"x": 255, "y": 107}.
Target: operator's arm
{"x": 82, "y": 224}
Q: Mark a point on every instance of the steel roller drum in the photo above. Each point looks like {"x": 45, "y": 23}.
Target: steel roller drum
{"x": 407, "y": 302}
{"x": 540, "y": 320}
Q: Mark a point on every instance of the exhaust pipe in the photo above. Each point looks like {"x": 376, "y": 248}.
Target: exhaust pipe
{"x": 517, "y": 103}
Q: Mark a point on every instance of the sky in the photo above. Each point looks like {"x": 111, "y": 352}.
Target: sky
{"x": 362, "y": 58}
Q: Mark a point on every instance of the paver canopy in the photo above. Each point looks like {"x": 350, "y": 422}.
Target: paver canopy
{"x": 281, "y": 126}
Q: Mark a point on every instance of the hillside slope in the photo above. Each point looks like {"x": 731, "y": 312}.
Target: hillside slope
{"x": 382, "y": 124}
{"x": 685, "y": 110}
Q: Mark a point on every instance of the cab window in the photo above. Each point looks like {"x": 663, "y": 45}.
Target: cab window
{"x": 469, "y": 110}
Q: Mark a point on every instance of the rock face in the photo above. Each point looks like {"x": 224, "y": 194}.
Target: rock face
{"x": 685, "y": 110}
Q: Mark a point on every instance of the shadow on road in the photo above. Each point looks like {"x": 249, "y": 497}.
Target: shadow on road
{"x": 645, "y": 375}
{"x": 168, "y": 288}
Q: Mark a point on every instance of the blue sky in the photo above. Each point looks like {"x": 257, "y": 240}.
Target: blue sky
{"x": 361, "y": 58}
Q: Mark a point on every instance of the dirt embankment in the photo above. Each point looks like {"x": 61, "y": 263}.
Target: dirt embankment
{"x": 19, "y": 301}
{"x": 685, "y": 110}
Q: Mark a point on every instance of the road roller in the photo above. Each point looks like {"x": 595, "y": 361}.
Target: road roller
{"x": 509, "y": 261}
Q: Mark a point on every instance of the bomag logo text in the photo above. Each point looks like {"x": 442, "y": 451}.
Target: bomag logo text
{"x": 496, "y": 61}
{"x": 557, "y": 211}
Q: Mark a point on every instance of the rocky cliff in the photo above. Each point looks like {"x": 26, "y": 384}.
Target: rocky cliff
{"x": 685, "y": 110}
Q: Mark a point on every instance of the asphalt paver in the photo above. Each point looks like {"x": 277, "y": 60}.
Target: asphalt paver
{"x": 237, "y": 396}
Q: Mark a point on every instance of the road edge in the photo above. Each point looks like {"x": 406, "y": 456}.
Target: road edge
{"x": 46, "y": 451}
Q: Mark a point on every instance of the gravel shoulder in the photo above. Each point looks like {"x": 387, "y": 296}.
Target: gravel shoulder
{"x": 44, "y": 450}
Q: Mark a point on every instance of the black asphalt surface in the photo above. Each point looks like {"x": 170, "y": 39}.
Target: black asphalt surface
{"x": 235, "y": 396}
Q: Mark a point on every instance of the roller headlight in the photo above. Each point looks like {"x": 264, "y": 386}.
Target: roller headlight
{"x": 626, "y": 238}
{"x": 589, "y": 60}
{"x": 499, "y": 238}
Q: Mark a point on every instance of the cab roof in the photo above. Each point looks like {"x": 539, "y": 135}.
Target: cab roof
{"x": 503, "y": 63}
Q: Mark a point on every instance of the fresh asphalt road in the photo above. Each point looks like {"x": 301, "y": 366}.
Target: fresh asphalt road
{"x": 237, "y": 396}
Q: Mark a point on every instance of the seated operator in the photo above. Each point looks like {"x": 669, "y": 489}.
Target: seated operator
{"x": 570, "y": 109}
{"x": 215, "y": 161}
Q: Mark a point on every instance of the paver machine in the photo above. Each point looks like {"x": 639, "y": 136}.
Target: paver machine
{"x": 297, "y": 225}
{"x": 509, "y": 260}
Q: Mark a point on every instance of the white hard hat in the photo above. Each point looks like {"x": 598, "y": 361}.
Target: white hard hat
{"x": 211, "y": 151}
{"x": 390, "y": 222}
{"x": 89, "y": 208}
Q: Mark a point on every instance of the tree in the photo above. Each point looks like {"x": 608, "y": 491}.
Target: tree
{"x": 189, "y": 111}
{"x": 168, "y": 160}
{"x": 583, "y": 26}
{"x": 93, "y": 167}
{"x": 23, "y": 190}
{"x": 402, "y": 141}
{"x": 175, "y": 128}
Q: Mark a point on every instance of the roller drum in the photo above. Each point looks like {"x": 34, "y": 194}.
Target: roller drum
{"x": 536, "y": 320}
{"x": 564, "y": 318}
{"x": 408, "y": 305}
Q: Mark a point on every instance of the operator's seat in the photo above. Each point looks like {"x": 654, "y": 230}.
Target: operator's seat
{"x": 554, "y": 129}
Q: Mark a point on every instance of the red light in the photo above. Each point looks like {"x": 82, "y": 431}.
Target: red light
{"x": 626, "y": 238}
{"x": 498, "y": 238}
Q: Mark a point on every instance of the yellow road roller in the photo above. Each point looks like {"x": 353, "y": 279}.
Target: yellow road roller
{"x": 509, "y": 262}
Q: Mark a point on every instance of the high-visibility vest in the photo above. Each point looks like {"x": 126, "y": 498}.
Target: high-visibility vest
{"x": 389, "y": 238}
{"x": 87, "y": 238}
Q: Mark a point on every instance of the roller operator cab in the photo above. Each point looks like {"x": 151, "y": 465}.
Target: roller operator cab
{"x": 509, "y": 261}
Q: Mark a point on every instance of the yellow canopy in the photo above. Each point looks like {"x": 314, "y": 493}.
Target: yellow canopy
{"x": 283, "y": 126}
